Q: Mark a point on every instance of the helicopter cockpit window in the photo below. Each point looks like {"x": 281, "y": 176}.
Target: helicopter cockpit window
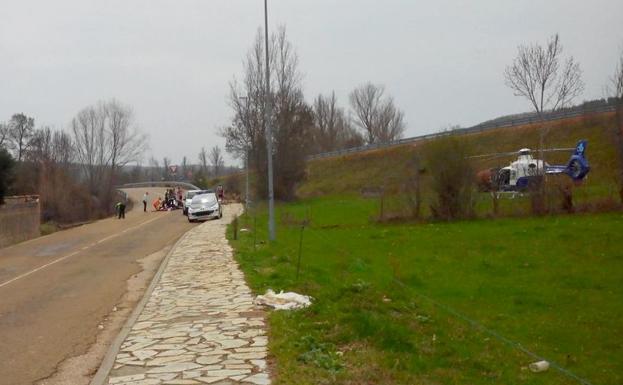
{"x": 504, "y": 177}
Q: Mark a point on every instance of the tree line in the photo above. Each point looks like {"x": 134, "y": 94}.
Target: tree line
{"x": 299, "y": 128}
{"x": 208, "y": 166}
{"x": 539, "y": 73}
{"x": 73, "y": 171}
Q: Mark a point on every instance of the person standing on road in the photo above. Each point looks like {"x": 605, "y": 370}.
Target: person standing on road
{"x": 121, "y": 209}
{"x": 145, "y": 197}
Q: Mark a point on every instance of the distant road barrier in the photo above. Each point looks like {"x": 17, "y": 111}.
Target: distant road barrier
{"x": 164, "y": 183}
{"x": 496, "y": 123}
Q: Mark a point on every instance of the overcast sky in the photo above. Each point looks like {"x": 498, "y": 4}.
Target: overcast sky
{"x": 441, "y": 60}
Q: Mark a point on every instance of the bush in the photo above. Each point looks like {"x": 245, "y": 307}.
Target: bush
{"x": 452, "y": 178}
{"x": 233, "y": 185}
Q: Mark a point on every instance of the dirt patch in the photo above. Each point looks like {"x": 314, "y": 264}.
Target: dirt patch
{"x": 79, "y": 370}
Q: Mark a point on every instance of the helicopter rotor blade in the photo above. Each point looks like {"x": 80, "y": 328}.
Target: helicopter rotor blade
{"x": 555, "y": 149}
{"x": 494, "y": 155}
{"x": 512, "y": 153}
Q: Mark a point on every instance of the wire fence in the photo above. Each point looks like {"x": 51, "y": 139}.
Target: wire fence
{"x": 159, "y": 184}
{"x": 307, "y": 230}
{"x": 510, "y": 121}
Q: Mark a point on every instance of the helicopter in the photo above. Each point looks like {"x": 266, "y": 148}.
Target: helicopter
{"x": 527, "y": 171}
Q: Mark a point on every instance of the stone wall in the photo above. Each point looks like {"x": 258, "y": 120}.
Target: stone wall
{"x": 19, "y": 219}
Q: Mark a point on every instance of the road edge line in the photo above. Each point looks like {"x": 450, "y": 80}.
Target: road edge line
{"x": 109, "y": 359}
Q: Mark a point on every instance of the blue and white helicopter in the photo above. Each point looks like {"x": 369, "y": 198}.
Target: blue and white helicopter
{"x": 528, "y": 171}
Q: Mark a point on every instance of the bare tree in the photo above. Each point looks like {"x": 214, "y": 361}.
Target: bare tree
{"x": 52, "y": 149}
{"x": 332, "y": 130}
{"x": 291, "y": 117}
{"x": 247, "y": 129}
{"x": 216, "y": 160}
{"x": 616, "y": 90}
{"x": 62, "y": 149}
{"x": 4, "y": 134}
{"x": 166, "y": 163}
{"x": 540, "y": 75}
{"x": 21, "y": 130}
{"x": 184, "y": 170}
{"x": 617, "y": 79}
{"x": 376, "y": 115}
{"x": 203, "y": 161}
{"x": 154, "y": 169}
{"x": 41, "y": 146}
{"x": 89, "y": 137}
{"x": 125, "y": 142}
{"x": 105, "y": 140}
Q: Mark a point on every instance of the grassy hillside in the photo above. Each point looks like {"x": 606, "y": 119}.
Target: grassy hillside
{"x": 390, "y": 167}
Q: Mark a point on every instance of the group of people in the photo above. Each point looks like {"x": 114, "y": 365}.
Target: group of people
{"x": 172, "y": 200}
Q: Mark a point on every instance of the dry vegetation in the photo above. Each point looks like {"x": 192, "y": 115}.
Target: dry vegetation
{"x": 393, "y": 169}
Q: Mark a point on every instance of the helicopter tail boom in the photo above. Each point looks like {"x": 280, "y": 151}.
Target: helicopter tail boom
{"x": 577, "y": 167}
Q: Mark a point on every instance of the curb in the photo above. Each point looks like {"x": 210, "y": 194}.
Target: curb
{"x": 109, "y": 359}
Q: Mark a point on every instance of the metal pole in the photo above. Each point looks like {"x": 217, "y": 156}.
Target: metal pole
{"x": 298, "y": 263}
{"x": 246, "y": 195}
{"x": 269, "y": 134}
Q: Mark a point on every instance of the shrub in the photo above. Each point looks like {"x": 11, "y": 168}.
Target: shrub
{"x": 452, "y": 178}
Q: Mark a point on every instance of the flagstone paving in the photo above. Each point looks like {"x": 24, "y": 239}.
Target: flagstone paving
{"x": 200, "y": 325}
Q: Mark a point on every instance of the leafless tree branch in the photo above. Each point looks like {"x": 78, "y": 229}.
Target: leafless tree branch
{"x": 617, "y": 79}
{"x": 536, "y": 75}
{"x": 20, "y": 131}
{"x": 376, "y": 115}
{"x": 216, "y": 159}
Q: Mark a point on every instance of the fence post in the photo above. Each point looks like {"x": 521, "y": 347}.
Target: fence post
{"x": 298, "y": 263}
{"x": 382, "y": 196}
{"x": 254, "y": 230}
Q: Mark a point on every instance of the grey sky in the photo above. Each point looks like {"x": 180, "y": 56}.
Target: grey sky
{"x": 442, "y": 60}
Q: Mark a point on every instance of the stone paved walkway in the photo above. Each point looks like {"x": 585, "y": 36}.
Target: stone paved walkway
{"x": 200, "y": 325}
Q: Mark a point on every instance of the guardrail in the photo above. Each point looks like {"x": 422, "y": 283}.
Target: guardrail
{"x": 499, "y": 123}
{"x": 189, "y": 186}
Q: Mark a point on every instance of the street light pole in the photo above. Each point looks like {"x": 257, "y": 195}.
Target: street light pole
{"x": 269, "y": 135}
{"x": 246, "y": 195}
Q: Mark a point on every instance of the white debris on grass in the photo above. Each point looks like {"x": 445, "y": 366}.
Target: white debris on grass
{"x": 539, "y": 366}
{"x": 283, "y": 301}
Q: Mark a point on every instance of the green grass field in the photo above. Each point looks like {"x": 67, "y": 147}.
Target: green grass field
{"x": 439, "y": 303}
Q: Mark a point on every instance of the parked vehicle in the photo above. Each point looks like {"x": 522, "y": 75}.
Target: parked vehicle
{"x": 188, "y": 198}
{"x": 204, "y": 206}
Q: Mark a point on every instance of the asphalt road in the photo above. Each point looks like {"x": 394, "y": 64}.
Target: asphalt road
{"x": 55, "y": 290}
